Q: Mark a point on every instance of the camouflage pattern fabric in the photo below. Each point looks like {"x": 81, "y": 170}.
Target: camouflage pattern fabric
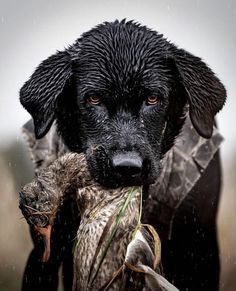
{"x": 182, "y": 166}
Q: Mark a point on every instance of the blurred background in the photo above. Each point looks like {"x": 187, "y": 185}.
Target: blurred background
{"x": 31, "y": 30}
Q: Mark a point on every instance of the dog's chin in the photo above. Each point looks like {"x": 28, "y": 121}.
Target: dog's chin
{"x": 116, "y": 182}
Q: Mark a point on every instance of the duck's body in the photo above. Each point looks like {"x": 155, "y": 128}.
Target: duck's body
{"x": 98, "y": 222}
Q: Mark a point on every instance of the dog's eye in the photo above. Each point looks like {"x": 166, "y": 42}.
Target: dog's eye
{"x": 94, "y": 99}
{"x": 152, "y": 100}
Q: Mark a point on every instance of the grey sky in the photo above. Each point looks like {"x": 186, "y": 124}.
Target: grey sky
{"x": 31, "y": 30}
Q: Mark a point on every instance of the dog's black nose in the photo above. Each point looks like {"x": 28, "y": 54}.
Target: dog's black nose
{"x": 129, "y": 163}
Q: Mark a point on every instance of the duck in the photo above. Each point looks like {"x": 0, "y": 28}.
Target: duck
{"x": 112, "y": 250}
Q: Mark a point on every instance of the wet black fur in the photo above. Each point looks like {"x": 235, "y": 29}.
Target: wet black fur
{"x": 123, "y": 63}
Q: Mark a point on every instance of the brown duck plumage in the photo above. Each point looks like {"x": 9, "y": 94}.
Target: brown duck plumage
{"x": 97, "y": 257}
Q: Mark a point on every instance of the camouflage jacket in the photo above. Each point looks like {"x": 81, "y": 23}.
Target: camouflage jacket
{"x": 182, "y": 166}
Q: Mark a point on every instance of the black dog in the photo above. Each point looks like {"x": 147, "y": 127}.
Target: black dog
{"x": 121, "y": 94}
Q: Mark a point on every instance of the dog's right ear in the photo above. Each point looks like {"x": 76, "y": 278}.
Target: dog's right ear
{"x": 39, "y": 94}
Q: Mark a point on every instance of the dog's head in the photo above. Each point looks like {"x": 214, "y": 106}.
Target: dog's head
{"x": 120, "y": 94}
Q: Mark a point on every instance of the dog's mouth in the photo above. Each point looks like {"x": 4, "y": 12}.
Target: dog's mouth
{"x": 121, "y": 169}
{"x": 127, "y": 181}
{"x": 112, "y": 180}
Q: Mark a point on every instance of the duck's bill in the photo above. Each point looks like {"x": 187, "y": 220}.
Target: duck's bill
{"x": 46, "y": 234}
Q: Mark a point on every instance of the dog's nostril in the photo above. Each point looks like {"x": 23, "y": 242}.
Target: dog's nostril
{"x": 127, "y": 164}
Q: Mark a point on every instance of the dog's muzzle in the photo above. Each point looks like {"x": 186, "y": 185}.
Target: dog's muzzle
{"x": 127, "y": 165}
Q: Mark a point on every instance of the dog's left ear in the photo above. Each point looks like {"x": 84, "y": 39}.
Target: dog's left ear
{"x": 206, "y": 94}
{"x": 40, "y": 93}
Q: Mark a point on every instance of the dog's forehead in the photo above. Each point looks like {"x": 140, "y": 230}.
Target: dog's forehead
{"x": 120, "y": 53}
